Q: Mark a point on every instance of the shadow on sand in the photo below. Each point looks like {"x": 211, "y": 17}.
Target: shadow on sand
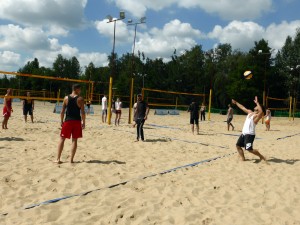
{"x": 11, "y": 139}
{"x": 106, "y": 162}
{"x": 287, "y": 161}
{"x": 157, "y": 140}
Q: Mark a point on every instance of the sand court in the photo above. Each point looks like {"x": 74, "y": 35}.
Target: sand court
{"x": 222, "y": 191}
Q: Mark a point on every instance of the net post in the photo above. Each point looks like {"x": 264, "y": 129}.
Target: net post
{"x": 92, "y": 92}
{"x": 209, "y": 104}
{"x": 109, "y": 101}
{"x": 294, "y": 107}
{"x": 130, "y": 100}
{"x": 290, "y": 111}
{"x": 58, "y": 96}
{"x": 176, "y": 102}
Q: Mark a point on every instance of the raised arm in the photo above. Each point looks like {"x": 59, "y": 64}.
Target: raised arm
{"x": 260, "y": 112}
{"x": 243, "y": 108}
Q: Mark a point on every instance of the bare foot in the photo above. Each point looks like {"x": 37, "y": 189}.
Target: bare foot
{"x": 58, "y": 161}
{"x": 136, "y": 140}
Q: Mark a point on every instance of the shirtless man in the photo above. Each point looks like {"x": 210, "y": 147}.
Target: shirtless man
{"x": 7, "y": 108}
{"x": 73, "y": 105}
{"x": 248, "y": 134}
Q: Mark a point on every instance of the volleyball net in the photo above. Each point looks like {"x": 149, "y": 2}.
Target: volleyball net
{"x": 43, "y": 88}
{"x": 171, "y": 99}
{"x": 283, "y": 107}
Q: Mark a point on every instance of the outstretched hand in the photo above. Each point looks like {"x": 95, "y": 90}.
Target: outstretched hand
{"x": 256, "y": 100}
{"x": 233, "y": 101}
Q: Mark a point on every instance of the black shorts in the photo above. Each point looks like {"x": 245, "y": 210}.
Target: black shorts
{"x": 246, "y": 141}
{"x": 27, "y": 110}
{"x": 229, "y": 120}
{"x": 194, "y": 120}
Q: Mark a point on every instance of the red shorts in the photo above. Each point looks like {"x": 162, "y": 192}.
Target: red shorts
{"x": 71, "y": 127}
{"x": 5, "y": 112}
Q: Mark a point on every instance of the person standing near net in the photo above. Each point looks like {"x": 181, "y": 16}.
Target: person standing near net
{"x": 268, "y": 119}
{"x": 73, "y": 124}
{"x": 104, "y": 108}
{"x": 194, "y": 116}
{"x": 202, "y": 111}
{"x": 229, "y": 117}
{"x": 7, "y": 108}
{"x": 118, "y": 107}
{"x": 141, "y": 115}
{"x": 248, "y": 134}
{"x": 28, "y": 107}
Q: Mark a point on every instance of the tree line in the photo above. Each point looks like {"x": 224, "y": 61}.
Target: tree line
{"x": 220, "y": 69}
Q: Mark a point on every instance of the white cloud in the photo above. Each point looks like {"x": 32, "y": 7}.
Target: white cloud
{"x": 99, "y": 59}
{"x": 226, "y": 9}
{"x": 276, "y": 34}
{"x": 9, "y": 60}
{"x": 241, "y": 35}
{"x": 46, "y": 57}
{"x": 123, "y": 35}
{"x": 64, "y": 13}
{"x": 230, "y": 9}
{"x": 14, "y": 37}
{"x": 162, "y": 42}
{"x": 138, "y": 8}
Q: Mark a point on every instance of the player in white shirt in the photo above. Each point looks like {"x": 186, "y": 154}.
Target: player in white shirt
{"x": 118, "y": 108}
{"x": 248, "y": 134}
{"x": 104, "y": 109}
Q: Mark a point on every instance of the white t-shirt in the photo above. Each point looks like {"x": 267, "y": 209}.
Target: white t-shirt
{"x": 118, "y": 105}
{"x": 249, "y": 125}
{"x": 104, "y": 103}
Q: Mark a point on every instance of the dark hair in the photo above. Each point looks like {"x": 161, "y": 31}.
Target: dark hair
{"x": 139, "y": 95}
{"x": 76, "y": 86}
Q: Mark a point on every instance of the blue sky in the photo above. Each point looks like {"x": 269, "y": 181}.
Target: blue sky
{"x": 45, "y": 28}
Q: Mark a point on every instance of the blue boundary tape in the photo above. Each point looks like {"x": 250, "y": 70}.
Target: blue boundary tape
{"x": 288, "y": 136}
{"x": 125, "y": 182}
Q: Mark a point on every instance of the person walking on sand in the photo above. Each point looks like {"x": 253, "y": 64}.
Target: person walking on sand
{"x": 268, "y": 119}
{"x": 194, "y": 116}
{"x": 118, "y": 107}
{"x": 229, "y": 117}
{"x": 142, "y": 111}
{"x": 104, "y": 108}
{"x": 28, "y": 107}
{"x": 248, "y": 134}
{"x": 202, "y": 111}
{"x": 73, "y": 124}
{"x": 7, "y": 108}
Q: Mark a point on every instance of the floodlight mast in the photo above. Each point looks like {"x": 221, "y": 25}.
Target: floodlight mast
{"x": 131, "y": 23}
{"x": 112, "y": 20}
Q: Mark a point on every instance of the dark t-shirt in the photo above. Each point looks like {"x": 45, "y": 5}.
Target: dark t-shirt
{"x": 73, "y": 111}
{"x": 194, "y": 110}
{"x": 141, "y": 109}
{"x": 28, "y": 103}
